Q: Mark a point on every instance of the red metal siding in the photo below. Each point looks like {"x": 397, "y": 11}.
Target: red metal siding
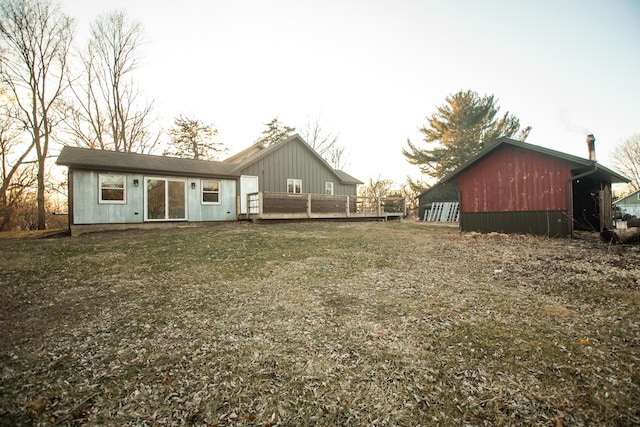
{"x": 512, "y": 179}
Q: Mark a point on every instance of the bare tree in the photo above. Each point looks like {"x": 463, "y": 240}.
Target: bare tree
{"x": 410, "y": 191}
{"x": 325, "y": 144}
{"x": 36, "y": 37}
{"x": 15, "y": 174}
{"x": 627, "y": 159}
{"x": 110, "y": 114}
{"x": 377, "y": 188}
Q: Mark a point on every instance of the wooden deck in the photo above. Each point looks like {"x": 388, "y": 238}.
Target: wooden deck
{"x": 287, "y": 206}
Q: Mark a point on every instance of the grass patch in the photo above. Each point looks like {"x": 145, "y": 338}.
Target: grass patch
{"x": 318, "y": 323}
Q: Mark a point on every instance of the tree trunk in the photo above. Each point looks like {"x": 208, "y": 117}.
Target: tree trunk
{"x": 42, "y": 213}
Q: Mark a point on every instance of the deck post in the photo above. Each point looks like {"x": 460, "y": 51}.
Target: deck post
{"x": 347, "y": 209}
{"x": 379, "y": 206}
{"x": 260, "y": 204}
{"x": 309, "y": 205}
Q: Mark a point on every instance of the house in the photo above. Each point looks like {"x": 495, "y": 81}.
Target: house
{"x": 115, "y": 190}
{"x": 516, "y": 187}
{"x": 290, "y": 166}
{"x": 630, "y": 205}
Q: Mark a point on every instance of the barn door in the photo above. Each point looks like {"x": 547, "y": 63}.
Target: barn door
{"x": 248, "y": 185}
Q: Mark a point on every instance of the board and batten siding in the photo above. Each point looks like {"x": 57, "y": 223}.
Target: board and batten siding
{"x": 513, "y": 179}
{"x": 294, "y": 161}
{"x": 88, "y": 210}
{"x": 515, "y": 191}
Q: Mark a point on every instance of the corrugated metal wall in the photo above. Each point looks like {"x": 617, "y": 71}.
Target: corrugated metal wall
{"x": 549, "y": 223}
{"x": 513, "y": 179}
{"x": 294, "y": 161}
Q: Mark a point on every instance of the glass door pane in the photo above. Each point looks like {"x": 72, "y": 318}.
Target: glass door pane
{"x": 177, "y": 207}
{"x": 156, "y": 205}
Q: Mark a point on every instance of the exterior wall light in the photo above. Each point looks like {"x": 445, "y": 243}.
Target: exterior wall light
{"x": 136, "y": 182}
{"x": 193, "y": 185}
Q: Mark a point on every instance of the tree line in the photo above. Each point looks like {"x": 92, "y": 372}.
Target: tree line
{"x": 92, "y": 103}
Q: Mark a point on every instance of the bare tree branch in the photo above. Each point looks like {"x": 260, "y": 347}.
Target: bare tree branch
{"x": 109, "y": 113}
{"x": 36, "y": 37}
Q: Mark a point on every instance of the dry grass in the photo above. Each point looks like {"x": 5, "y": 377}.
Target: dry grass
{"x": 318, "y": 324}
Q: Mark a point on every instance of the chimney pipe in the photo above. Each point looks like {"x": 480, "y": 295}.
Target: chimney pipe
{"x": 591, "y": 143}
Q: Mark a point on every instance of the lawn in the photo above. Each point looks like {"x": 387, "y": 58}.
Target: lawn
{"x": 364, "y": 323}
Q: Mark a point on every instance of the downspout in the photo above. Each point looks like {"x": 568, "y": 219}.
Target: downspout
{"x": 570, "y": 194}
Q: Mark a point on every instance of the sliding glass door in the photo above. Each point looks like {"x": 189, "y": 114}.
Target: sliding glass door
{"x": 166, "y": 199}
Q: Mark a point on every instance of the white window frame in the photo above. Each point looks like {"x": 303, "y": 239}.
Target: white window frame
{"x": 103, "y": 177}
{"x": 203, "y": 191}
{"x": 294, "y": 183}
{"x": 328, "y": 188}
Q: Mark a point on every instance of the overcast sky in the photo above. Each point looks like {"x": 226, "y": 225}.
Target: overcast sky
{"x": 372, "y": 71}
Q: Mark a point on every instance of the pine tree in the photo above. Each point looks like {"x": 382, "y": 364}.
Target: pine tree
{"x": 459, "y": 129}
{"x": 193, "y": 139}
{"x": 274, "y": 133}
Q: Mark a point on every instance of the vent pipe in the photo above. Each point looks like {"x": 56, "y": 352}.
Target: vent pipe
{"x": 591, "y": 143}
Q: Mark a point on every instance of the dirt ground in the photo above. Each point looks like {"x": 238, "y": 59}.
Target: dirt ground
{"x": 397, "y": 323}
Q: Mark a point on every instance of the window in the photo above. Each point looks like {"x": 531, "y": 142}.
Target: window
{"x": 294, "y": 186}
{"x": 112, "y": 188}
{"x": 328, "y": 188}
{"x": 166, "y": 199}
{"x": 210, "y": 192}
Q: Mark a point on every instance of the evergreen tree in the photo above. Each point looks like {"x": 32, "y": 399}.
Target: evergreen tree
{"x": 192, "y": 139}
{"x": 274, "y": 133}
{"x": 459, "y": 129}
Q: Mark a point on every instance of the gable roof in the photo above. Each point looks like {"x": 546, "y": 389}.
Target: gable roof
{"x": 86, "y": 158}
{"x": 629, "y": 197}
{"x": 251, "y": 155}
{"x": 578, "y": 164}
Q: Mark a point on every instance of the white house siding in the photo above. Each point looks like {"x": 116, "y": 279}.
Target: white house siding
{"x": 88, "y": 210}
{"x": 630, "y": 204}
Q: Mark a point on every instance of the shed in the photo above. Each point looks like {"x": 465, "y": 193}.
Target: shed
{"x": 515, "y": 187}
{"x": 630, "y": 204}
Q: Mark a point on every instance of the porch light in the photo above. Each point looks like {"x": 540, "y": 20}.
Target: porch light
{"x": 136, "y": 182}
{"x": 193, "y": 185}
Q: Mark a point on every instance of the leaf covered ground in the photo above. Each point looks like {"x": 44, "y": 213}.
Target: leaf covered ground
{"x": 363, "y": 323}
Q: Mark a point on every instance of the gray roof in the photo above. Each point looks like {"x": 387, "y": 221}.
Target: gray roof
{"x": 578, "y": 164}
{"x": 86, "y": 158}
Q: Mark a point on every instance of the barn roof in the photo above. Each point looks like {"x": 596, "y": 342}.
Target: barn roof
{"x": 579, "y": 165}
{"x": 86, "y": 158}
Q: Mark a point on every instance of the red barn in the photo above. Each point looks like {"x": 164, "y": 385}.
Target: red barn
{"x": 515, "y": 187}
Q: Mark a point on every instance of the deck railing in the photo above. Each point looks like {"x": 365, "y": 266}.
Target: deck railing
{"x": 271, "y": 205}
